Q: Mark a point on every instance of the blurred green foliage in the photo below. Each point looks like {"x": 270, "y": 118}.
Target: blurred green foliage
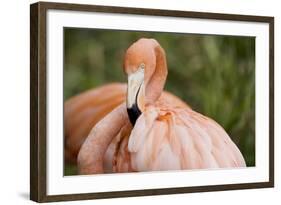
{"x": 215, "y": 75}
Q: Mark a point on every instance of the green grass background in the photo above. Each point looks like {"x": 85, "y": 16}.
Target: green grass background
{"x": 215, "y": 75}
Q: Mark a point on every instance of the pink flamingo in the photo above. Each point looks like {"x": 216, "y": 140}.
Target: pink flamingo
{"x": 148, "y": 133}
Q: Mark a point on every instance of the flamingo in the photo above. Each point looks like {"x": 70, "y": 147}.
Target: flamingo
{"x": 150, "y": 133}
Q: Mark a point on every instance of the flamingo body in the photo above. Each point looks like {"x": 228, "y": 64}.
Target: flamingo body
{"x": 175, "y": 139}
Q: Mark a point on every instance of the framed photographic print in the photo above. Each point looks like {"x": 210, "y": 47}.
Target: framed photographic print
{"x": 133, "y": 102}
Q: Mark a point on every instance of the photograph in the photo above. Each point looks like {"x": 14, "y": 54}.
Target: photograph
{"x": 143, "y": 101}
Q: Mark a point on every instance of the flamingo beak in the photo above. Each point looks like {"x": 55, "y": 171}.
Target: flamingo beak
{"x": 135, "y": 86}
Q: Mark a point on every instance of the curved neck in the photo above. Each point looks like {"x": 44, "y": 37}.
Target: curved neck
{"x": 155, "y": 85}
{"x": 91, "y": 155}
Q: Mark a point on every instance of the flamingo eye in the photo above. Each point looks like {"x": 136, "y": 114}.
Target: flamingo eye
{"x": 142, "y": 66}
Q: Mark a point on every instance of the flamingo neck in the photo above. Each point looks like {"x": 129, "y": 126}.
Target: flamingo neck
{"x": 91, "y": 155}
{"x": 156, "y": 83}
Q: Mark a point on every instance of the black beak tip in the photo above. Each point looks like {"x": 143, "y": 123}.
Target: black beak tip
{"x": 133, "y": 113}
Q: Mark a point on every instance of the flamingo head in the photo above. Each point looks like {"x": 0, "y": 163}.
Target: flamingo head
{"x": 140, "y": 64}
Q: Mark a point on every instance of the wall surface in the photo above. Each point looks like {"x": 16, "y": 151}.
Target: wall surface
{"x": 14, "y": 109}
